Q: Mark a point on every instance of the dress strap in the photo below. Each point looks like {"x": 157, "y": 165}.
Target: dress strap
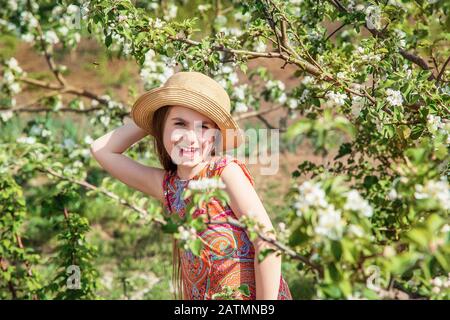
{"x": 222, "y": 162}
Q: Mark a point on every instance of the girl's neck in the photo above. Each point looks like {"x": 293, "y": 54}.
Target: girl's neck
{"x": 187, "y": 173}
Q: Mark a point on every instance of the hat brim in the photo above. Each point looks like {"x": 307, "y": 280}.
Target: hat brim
{"x": 145, "y": 106}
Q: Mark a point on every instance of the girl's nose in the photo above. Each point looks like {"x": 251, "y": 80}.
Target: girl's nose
{"x": 190, "y": 137}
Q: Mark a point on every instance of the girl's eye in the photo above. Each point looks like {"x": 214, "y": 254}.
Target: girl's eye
{"x": 182, "y": 124}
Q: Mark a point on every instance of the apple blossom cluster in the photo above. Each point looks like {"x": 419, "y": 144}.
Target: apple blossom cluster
{"x": 311, "y": 195}
{"x": 435, "y": 125}
{"x": 367, "y": 57}
{"x": 228, "y": 78}
{"x": 8, "y": 83}
{"x": 335, "y": 99}
{"x": 154, "y": 72}
{"x": 240, "y": 94}
{"x": 105, "y": 115}
{"x": 394, "y": 97}
{"x": 356, "y": 203}
{"x": 373, "y": 17}
{"x": 206, "y": 183}
{"x": 186, "y": 235}
{"x": 330, "y": 222}
{"x": 440, "y": 283}
{"x": 275, "y": 90}
{"x": 437, "y": 190}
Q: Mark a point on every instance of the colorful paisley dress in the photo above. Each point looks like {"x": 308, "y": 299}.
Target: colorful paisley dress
{"x": 228, "y": 259}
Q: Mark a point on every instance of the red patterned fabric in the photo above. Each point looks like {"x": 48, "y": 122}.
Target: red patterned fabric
{"x": 228, "y": 257}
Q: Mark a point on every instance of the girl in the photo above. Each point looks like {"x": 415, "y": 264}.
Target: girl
{"x": 189, "y": 117}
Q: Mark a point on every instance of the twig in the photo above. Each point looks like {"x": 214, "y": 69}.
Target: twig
{"x": 439, "y": 76}
{"x": 110, "y": 194}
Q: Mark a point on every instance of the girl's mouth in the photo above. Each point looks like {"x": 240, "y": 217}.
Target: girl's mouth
{"x": 188, "y": 152}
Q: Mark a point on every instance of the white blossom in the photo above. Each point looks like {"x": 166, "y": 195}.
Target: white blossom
{"x": 27, "y": 140}
{"x": 88, "y": 140}
{"x": 8, "y": 77}
{"x": 29, "y": 19}
{"x": 356, "y": 230}
{"x": 369, "y": 57}
{"x": 357, "y": 104}
{"x": 307, "y": 80}
{"x": 239, "y": 92}
{"x": 241, "y": 107}
{"x": 171, "y": 12}
{"x": 401, "y": 37}
{"x": 187, "y": 234}
{"x": 310, "y": 195}
{"x": 51, "y": 37}
{"x": 304, "y": 96}
{"x": 260, "y": 47}
{"x": 393, "y": 195}
{"x": 68, "y": 143}
{"x": 63, "y": 30}
{"x": 35, "y": 130}
{"x": 389, "y": 252}
{"x": 242, "y": 17}
{"x": 13, "y": 65}
{"x": 73, "y": 9}
{"x": 438, "y": 190}
{"x": 356, "y": 203}
{"x": 105, "y": 120}
{"x": 282, "y": 98}
{"x": 46, "y": 133}
{"x": 203, "y": 7}
{"x": 292, "y": 103}
{"x": 271, "y": 84}
{"x": 158, "y": 23}
{"x": 330, "y": 223}
{"x": 6, "y": 115}
{"x": 440, "y": 283}
{"x": 12, "y": 4}
{"x": 445, "y": 228}
{"x": 15, "y": 88}
{"x": 434, "y": 123}
{"x": 373, "y": 17}
{"x": 233, "y": 78}
{"x": 27, "y": 37}
{"x": 335, "y": 98}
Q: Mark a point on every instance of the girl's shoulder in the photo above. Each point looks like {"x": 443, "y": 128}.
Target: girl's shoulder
{"x": 222, "y": 161}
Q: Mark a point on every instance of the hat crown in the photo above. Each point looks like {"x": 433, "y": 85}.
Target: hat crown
{"x": 196, "y": 81}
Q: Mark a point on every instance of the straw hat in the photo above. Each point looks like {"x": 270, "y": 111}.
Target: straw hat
{"x": 192, "y": 90}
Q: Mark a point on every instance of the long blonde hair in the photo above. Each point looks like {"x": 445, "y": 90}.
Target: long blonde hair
{"x": 158, "y": 121}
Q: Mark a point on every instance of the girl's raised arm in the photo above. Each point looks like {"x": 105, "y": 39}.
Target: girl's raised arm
{"x": 108, "y": 149}
{"x": 245, "y": 201}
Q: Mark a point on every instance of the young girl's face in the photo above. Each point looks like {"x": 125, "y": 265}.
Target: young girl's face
{"x": 188, "y": 136}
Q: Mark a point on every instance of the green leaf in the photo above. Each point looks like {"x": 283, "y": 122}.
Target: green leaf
{"x": 336, "y": 249}
{"x": 108, "y": 40}
{"x": 244, "y": 288}
{"x": 302, "y": 126}
{"x": 419, "y": 236}
{"x": 196, "y": 246}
